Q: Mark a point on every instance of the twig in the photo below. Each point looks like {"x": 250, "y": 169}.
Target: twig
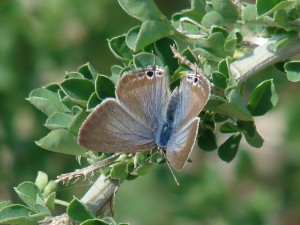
{"x": 185, "y": 61}
{"x": 262, "y": 57}
{"x": 67, "y": 177}
{"x": 181, "y": 29}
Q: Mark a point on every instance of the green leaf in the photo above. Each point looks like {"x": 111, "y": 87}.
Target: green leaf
{"x": 118, "y": 170}
{"x": 229, "y": 127}
{"x": 143, "y": 169}
{"x": 214, "y": 102}
{"x": 110, "y": 220}
{"x": 207, "y": 140}
{"x": 253, "y": 138}
{"x": 140, "y": 158}
{"x": 61, "y": 141}
{"x": 270, "y": 6}
{"x": 88, "y": 71}
{"x": 95, "y": 222}
{"x": 230, "y": 44}
{"x": 42, "y": 210}
{"x": 226, "y": 9}
{"x": 219, "y": 80}
{"x": 228, "y": 150}
{"x": 263, "y": 98}
{"x": 223, "y": 67}
{"x": 119, "y": 48}
{"x": 236, "y": 106}
{"x": 46, "y": 101}
{"x": 79, "y": 90}
{"x": 41, "y": 180}
{"x": 105, "y": 88}
{"x": 247, "y": 127}
{"x": 93, "y": 101}
{"x": 50, "y": 188}
{"x": 281, "y": 18}
{"x": 212, "y": 18}
{"x": 74, "y": 75}
{"x": 255, "y": 141}
{"x": 249, "y": 13}
{"x": 292, "y": 70}
{"x": 163, "y": 51}
{"x": 58, "y": 120}
{"x": 190, "y": 56}
{"x": 17, "y": 215}
{"x": 149, "y": 32}
{"x": 219, "y": 118}
{"x": 77, "y": 121}
{"x": 145, "y": 59}
{"x": 208, "y": 48}
{"x": 196, "y": 12}
{"x": 141, "y": 9}
{"x": 29, "y": 193}
{"x": 4, "y": 204}
{"x": 78, "y": 211}
{"x": 50, "y": 202}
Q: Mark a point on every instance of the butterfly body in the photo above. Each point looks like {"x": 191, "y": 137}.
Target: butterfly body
{"x": 145, "y": 114}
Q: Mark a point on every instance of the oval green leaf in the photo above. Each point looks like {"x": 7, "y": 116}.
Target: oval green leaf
{"x": 105, "y": 88}
{"x": 61, "y": 141}
{"x": 228, "y": 150}
{"x": 145, "y": 59}
{"x": 79, "y": 90}
{"x": 293, "y": 70}
{"x": 262, "y": 99}
{"x": 58, "y": 120}
{"x": 78, "y": 211}
{"x": 141, "y": 9}
{"x": 46, "y": 101}
{"x": 119, "y": 48}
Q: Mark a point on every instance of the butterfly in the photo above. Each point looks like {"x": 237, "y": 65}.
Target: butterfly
{"x": 145, "y": 114}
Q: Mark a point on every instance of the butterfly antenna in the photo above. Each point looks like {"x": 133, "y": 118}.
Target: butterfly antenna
{"x": 175, "y": 179}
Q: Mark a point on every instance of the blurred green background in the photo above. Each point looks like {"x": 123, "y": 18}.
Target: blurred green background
{"x": 40, "y": 40}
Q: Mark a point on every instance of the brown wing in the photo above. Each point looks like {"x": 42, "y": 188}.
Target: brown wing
{"x": 110, "y": 128}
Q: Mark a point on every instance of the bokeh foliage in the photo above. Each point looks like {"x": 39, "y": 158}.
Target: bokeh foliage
{"x": 248, "y": 197}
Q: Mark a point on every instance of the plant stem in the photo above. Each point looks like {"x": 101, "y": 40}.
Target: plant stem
{"x": 262, "y": 57}
{"x": 100, "y": 194}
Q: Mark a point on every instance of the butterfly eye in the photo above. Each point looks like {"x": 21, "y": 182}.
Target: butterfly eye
{"x": 149, "y": 74}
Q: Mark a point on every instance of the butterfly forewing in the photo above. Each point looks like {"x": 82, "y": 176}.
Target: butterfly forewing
{"x": 194, "y": 91}
{"x": 145, "y": 92}
{"x": 110, "y": 128}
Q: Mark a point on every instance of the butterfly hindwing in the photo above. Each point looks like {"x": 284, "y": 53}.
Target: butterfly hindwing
{"x": 110, "y": 128}
{"x": 181, "y": 144}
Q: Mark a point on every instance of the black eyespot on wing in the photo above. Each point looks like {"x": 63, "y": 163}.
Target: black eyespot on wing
{"x": 149, "y": 74}
{"x": 159, "y": 72}
{"x": 196, "y": 79}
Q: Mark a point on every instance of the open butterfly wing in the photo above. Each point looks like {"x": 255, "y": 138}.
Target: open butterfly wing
{"x": 145, "y": 92}
{"x": 181, "y": 144}
{"x": 191, "y": 97}
{"x": 110, "y": 128}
